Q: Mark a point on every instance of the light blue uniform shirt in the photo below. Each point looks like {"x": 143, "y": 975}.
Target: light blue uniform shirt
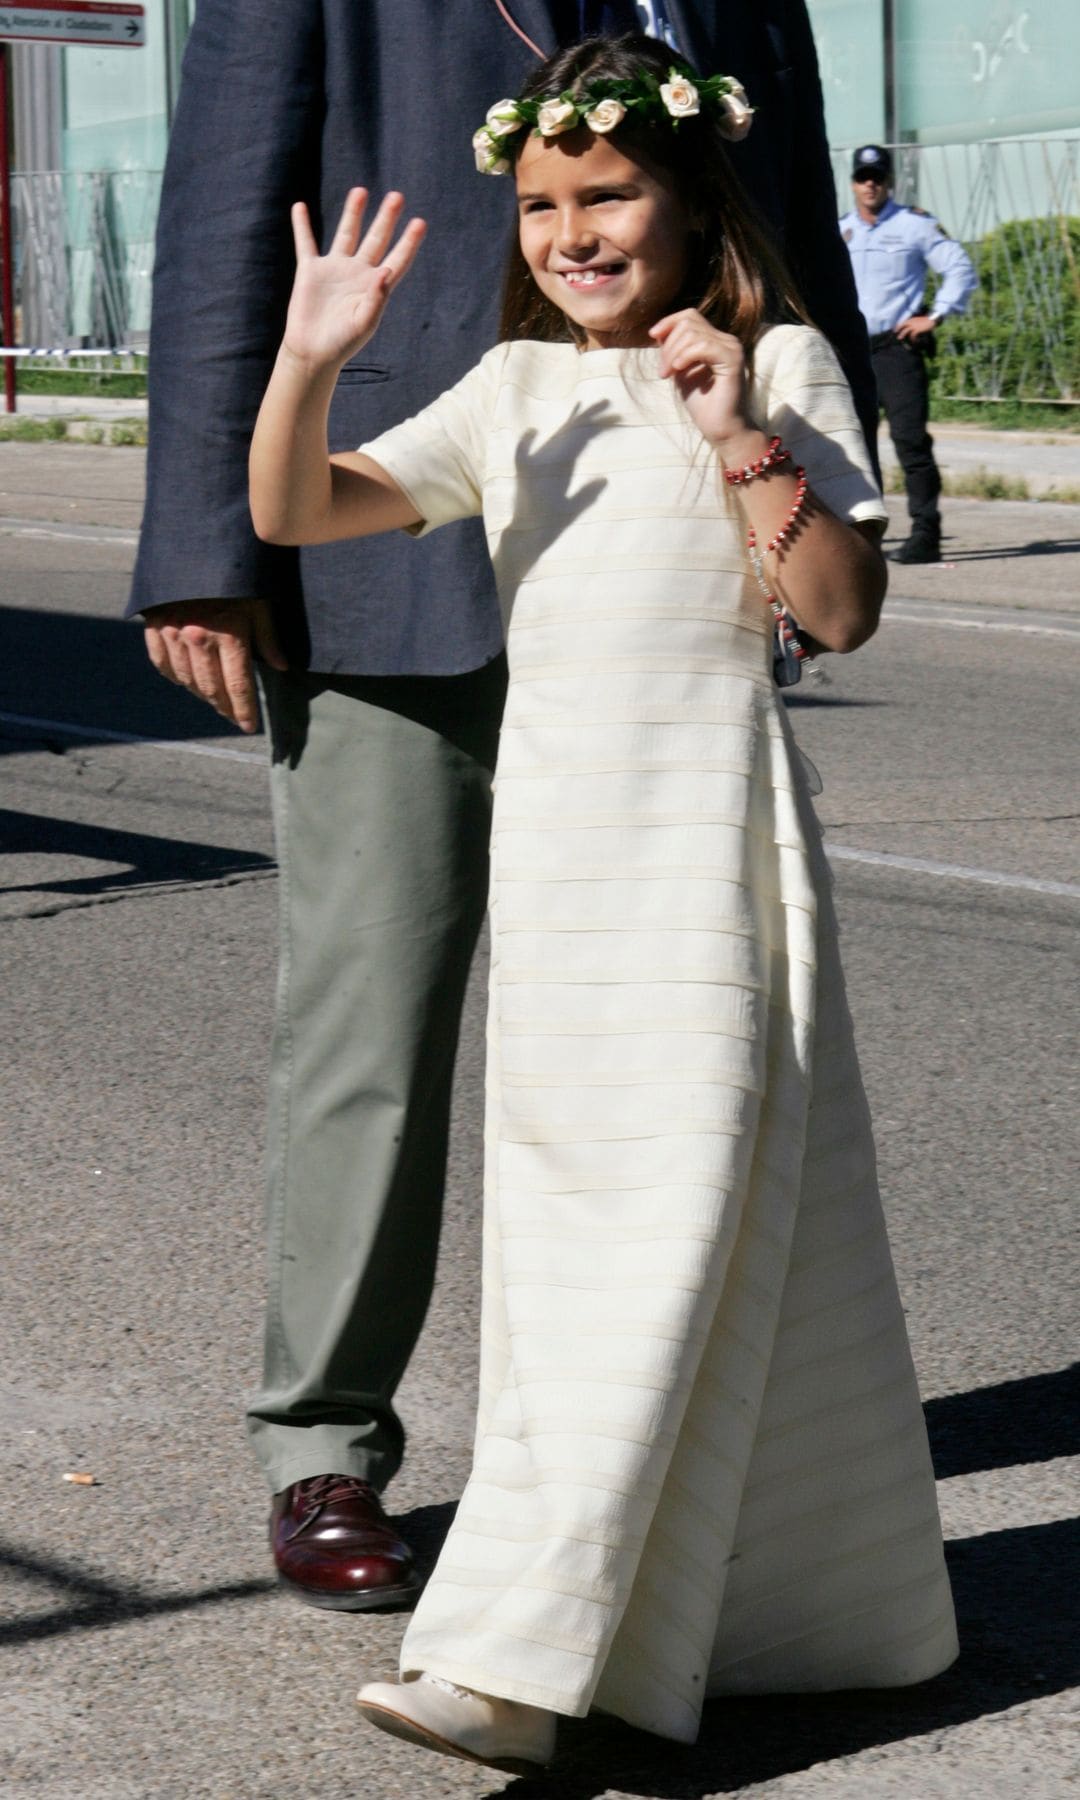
{"x": 890, "y": 257}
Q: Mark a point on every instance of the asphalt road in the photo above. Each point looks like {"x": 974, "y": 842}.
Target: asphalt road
{"x": 148, "y": 1652}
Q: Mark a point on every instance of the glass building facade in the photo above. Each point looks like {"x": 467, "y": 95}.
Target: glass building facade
{"x": 946, "y": 80}
{"x": 947, "y": 71}
{"x": 90, "y": 128}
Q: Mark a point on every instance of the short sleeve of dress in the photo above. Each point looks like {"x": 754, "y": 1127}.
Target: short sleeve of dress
{"x": 800, "y": 393}
{"x": 437, "y": 457}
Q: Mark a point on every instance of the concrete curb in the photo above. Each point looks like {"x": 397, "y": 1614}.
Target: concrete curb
{"x": 1048, "y": 462}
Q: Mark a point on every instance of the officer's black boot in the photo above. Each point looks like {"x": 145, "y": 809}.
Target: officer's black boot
{"x": 921, "y": 547}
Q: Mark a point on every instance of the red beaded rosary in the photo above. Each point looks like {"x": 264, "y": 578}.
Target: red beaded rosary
{"x": 777, "y": 542}
{"x": 787, "y": 635}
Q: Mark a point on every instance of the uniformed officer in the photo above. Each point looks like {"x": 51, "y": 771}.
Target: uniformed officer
{"x": 892, "y": 247}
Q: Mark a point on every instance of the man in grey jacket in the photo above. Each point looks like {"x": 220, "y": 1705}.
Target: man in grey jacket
{"x": 381, "y": 662}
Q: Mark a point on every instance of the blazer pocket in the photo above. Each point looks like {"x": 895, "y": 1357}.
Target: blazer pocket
{"x": 354, "y": 372}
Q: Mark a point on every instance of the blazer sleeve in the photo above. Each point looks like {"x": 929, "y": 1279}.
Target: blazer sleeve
{"x": 245, "y": 143}
{"x": 816, "y": 252}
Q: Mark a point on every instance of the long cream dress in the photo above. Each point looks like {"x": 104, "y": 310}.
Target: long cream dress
{"x": 700, "y": 1463}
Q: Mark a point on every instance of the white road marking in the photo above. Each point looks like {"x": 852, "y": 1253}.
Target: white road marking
{"x": 55, "y": 528}
{"x": 949, "y": 622}
{"x": 918, "y": 865}
{"x": 915, "y": 865}
{"x": 62, "y": 729}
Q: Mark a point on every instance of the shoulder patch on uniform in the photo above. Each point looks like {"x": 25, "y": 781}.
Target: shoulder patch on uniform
{"x": 921, "y": 213}
{"x": 848, "y": 235}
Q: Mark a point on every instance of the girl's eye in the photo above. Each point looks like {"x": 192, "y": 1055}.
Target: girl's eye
{"x": 535, "y": 206}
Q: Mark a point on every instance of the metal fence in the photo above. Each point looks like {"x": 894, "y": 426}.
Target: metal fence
{"x": 1014, "y": 203}
{"x": 84, "y": 256}
{"x": 84, "y": 250}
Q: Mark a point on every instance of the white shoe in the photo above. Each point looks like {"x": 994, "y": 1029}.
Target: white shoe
{"x": 438, "y": 1715}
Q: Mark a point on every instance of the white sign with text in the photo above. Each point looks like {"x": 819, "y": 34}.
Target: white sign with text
{"x": 114, "y": 24}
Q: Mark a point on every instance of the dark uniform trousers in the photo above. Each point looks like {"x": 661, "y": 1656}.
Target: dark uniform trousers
{"x": 903, "y": 390}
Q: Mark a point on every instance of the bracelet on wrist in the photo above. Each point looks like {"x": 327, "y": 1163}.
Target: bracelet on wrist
{"x": 771, "y": 459}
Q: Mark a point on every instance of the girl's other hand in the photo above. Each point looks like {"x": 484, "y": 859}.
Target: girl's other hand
{"x": 338, "y": 299}
{"x": 709, "y": 370}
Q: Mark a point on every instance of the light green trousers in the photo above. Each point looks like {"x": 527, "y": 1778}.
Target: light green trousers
{"x": 381, "y": 790}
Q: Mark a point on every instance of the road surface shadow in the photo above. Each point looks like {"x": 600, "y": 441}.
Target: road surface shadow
{"x": 1017, "y": 1604}
{"x": 1017, "y": 1596}
{"x": 1006, "y": 552}
{"x": 810, "y": 694}
{"x": 90, "y": 1603}
{"x": 1034, "y": 1419}
{"x": 147, "y": 861}
{"x": 80, "y": 670}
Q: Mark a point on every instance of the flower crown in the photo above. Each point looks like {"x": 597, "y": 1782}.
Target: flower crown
{"x": 603, "y": 104}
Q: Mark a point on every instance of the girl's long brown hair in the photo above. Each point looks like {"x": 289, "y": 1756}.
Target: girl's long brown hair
{"x": 736, "y": 276}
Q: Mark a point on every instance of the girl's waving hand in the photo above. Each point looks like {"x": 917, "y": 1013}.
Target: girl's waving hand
{"x": 298, "y": 493}
{"x": 338, "y": 299}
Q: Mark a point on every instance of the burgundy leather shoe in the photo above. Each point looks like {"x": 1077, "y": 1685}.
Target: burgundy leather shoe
{"x": 335, "y": 1547}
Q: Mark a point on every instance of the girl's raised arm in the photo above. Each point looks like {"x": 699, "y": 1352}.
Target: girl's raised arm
{"x": 299, "y": 493}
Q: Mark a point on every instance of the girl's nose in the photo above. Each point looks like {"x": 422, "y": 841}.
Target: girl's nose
{"x": 575, "y": 232}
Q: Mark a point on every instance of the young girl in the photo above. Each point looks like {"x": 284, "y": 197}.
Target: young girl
{"x": 700, "y": 1464}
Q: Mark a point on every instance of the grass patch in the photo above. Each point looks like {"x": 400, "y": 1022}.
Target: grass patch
{"x": 32, "y": 431}
{"x": 120, "y": 383}
{"x": 55, "y": 431}
{"x": 1064, "y": 496}
{"x": 985, "y": 484}
{"x": 128, "y": 431}
{"x": 1006, "y": 415}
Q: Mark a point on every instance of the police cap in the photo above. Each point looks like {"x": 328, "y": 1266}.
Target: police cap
{"x": 871, "y": 159}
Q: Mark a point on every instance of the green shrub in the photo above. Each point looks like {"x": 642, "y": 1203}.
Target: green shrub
{"x": 1020, "y": 338}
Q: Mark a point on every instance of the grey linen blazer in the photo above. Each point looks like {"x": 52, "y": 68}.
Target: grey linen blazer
{"x": 283, "y": 100}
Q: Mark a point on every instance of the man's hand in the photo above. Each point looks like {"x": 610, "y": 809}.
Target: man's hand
{"x": 207, "y": 646}
{"x": 916, "y": 327}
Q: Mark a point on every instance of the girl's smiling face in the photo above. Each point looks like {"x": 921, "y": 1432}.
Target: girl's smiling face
{"x": 604, "y": 235}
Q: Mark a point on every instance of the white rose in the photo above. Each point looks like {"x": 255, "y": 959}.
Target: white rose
{"x": 680, "y": 96}
{"x": 555, "y": 116}
{"x": 503, "y": 118}
{"x": 605, "y": 115}
{"x": 486, "y": 151}
{"x": 736, "y": 113}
